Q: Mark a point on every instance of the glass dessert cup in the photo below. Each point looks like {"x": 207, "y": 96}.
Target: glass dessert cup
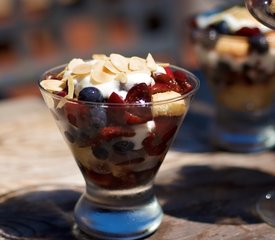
{"x": 242, "y": 85}
{"x": 263, "y": 11}
{"x": 260, "y": 9}
{"x": 118, "y": 160}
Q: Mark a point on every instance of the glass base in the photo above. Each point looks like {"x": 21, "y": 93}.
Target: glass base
{"x": 266, "y": 208}
{"x": 241, "y": 138}
{"x": 105, "y": 222}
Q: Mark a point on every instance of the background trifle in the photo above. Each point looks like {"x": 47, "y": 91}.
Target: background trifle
{"x": 237, "y": 55}
{"x": 119, "y": 116}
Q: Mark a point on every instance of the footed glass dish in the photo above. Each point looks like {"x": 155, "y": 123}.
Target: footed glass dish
{"x": 119, "y": 148}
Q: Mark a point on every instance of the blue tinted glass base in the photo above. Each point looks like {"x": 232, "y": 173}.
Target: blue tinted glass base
{"x": 241, "y": 138}
{"x": 105, "y": 222}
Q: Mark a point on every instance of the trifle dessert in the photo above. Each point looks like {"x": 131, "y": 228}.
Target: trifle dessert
{"x": 237, "y": 55}
{"x": 118, "y": 116}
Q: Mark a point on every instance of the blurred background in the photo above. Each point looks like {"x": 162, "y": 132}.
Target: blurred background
{"x": 38, "y": 34}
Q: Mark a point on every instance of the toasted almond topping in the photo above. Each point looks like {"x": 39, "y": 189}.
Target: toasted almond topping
{"x": 98, "y": 75}
{"x": 108, "y": 64}
{"x": 70, "y": 94}
{"x": 99, "y": 56}
{"x": 151, "y": 64}
{"x": 137, "y": 63}
{"x": 61, "y": 74}
{"x": 120, "y": 62}
{"x": 74, "y": 62}
{"x": 61, "y": 103}
{"x": 164, "y": 64}
{"x": 122, "y": 77}
{"x": 82, "y": 69}
{"x": 52, "y": 85}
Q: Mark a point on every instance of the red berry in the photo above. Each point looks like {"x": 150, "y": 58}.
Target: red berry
{"x": 152, "y": 146}
{"x": 248, "y": 32}
{"x": 160, "y": 87}
{"x": 77, "y": 114}
{"x": 170, "y": 82}
{"x": 182, "y": 79}
{"x": 169, "y": 72}
{"x": 110, "y": 132}
{"x": 133, "y": 119}
{"x": 140, "y": 93}
{"x": 62, "y": 93}
{"x": 115, "y": 98}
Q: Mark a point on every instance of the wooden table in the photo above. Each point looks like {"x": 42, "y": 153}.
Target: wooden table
{"x": 205, "y": 193}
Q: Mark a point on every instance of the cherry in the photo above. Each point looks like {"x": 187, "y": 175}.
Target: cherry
{"x": 248, "y": 31}
{"x": 139, "y": 93}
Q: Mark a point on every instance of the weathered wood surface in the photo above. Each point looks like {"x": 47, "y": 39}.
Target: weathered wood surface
{"x": 205, "y": 194}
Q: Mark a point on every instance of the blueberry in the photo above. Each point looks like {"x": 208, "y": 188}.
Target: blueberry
{"x": 123, "y": 147}
{"x": 100, "y": 152}
{"x": 258, "y": 43}
{"x": 221, "y": 27}
{"x": 90, "y": 94}
{"x": 98, "y": 118}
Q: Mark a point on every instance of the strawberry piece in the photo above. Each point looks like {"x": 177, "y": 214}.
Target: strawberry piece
{"x": 116, "y": 113}
{"x": 115, "y": 98}
{"x": 169, "y": 72}
{"x": 182, "y": 79}
{"x": 171, "y": 83}
{"x": 110, "y": 132}
{"x": 133, "y": 119}
{"x": 139, "y": 93}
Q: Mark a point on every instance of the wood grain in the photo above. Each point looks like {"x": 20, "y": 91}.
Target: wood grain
{"x": 205, "y": 194}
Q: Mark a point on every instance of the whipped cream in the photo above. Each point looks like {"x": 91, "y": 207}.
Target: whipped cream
{"x": 236, "y": 18}
{"x": 141, "y": 131}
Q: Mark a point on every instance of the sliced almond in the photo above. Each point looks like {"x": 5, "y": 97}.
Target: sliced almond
{"x": 232, "y": 45}
{"x": 172, "y": 108}
{"x": 61, "y": 73}
{"x": 99, "y": 56}
{"x": 120, "y": 62}
{"x": 70, "y": 94}
{"x": 98, "y": 75}
{"x": 137, "y": 63}
{"x": 82, "y": 69}
{"x": 122, "y": 77}
{"x": 164, "y": 64}
{"x": 151, "y": 64}
{"x": 108, "y": 64}
{"x": 53, "y": 85}
{"x": 74, "y": 62}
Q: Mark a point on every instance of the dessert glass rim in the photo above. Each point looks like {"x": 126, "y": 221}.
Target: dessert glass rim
{"x": 194, "y": 81}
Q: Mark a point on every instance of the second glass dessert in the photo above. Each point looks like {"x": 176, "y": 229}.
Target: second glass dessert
{"x": 237, "y": 55}
{"x": 119, "y": 117}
